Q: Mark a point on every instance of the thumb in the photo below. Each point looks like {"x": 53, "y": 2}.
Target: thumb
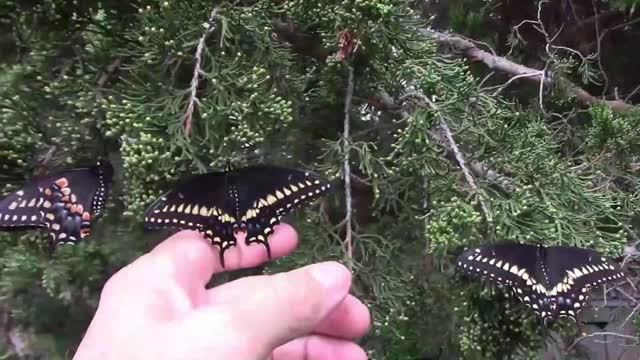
{"x": 275, "y": 309}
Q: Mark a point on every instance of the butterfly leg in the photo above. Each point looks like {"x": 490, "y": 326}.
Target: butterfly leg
{"x": 224, "y": 243}
{"x": 260, "y": 240}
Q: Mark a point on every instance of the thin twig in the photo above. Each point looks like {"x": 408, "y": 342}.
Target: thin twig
{"x": 602, "y": 333}
{"x": 348, "y": 239}
{"x": 598, "y": 49}
{"x": 626, "y": 99}
{"x": 504, "y": 86}
{"x": 459, "y": 157}
{"x": 197, "y": 71}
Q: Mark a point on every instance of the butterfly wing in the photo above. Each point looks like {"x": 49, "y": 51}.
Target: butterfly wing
{"x": 574, "y": 272}
{"x": 72, "y": 199}
{"x": 511, "y": 266}
{"x": 20, "y": 210}
{"x": 199, "y": 203}
{"x": 266, "y": 193}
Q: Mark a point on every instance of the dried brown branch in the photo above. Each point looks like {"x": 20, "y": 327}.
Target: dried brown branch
{"x": 346, "y": 168}
{"x": 501, "y": 64}
{"x": 197, "y": 71}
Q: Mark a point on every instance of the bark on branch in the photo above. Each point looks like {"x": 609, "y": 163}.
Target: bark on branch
{"x": 497, "y": 63}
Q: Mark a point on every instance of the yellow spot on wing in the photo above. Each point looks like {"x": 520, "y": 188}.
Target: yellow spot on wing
{"x": 279, "y": 194}
{"x": 13, "y": 205}
{"x": 271, "y": 199}
{"x": 203, "y": 211}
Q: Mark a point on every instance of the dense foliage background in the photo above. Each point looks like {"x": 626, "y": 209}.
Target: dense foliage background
{"x": 455, "y": 121}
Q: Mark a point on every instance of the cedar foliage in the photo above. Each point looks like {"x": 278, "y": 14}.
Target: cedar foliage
{"x": 112, "y": 78}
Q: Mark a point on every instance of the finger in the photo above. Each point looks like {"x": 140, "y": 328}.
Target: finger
{"x": 186, "y": 257}
{"x": 276, "y": 309}
{"x": 282, "y": 242}
{"x": 350, "y": 320}
{"x": 167, "y": 280}
{"x": 317, "y": 347}
{"x": 183, "y": 257}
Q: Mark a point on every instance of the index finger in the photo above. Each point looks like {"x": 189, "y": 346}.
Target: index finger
{"x": 191, "y": 260}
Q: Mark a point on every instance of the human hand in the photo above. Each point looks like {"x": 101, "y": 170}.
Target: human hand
{"x": 157, "y": 307}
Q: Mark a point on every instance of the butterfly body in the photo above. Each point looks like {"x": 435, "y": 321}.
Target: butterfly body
{"x": 64, "y": 203}
{"x": 555, "y": 281}
{"x": 251, "y": 199}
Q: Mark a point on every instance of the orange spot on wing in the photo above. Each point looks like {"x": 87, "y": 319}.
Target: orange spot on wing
{"x": 84, "y": 232}
{"x": 79, "y": 209}
{"x": 62, "y": 183}
{"x": 65, "y": 199}
{"x": 47, "y": 192}
{"x": 86, "y": 216}
{"x": 74, "y": 207}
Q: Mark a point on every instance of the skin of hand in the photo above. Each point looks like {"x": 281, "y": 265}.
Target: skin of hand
{"x": 158, "y": 308}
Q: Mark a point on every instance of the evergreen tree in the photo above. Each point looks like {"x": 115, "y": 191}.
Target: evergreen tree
{"x": 431, "y": 159}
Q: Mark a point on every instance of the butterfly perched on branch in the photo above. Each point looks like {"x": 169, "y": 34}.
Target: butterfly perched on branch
{"x": 555, "y": 281}
{"x": 251, "y": 199}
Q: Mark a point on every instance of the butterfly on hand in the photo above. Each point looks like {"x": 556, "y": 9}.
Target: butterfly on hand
{"x": 251, "y": 199}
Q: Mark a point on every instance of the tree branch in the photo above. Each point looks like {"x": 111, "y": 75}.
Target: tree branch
{"x": 497, "y": 63}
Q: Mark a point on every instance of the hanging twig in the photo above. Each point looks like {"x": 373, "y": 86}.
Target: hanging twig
{"x": 197, "y": 71}
{"x": 457, "y": 153}
{"x": 465, "y": 170}
{"x": 346, "y": 168}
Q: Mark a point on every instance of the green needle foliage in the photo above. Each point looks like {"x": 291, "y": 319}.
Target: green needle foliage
{"x": 115, "y": 79}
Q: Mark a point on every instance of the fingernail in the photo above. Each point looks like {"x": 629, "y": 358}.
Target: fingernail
{"x": 330, "y": 274}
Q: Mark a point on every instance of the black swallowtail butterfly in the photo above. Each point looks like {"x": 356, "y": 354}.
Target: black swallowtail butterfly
{"x": 251, "y": 199}
{"x": 555, "y": 281}
{"x": 64, "y": 203}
